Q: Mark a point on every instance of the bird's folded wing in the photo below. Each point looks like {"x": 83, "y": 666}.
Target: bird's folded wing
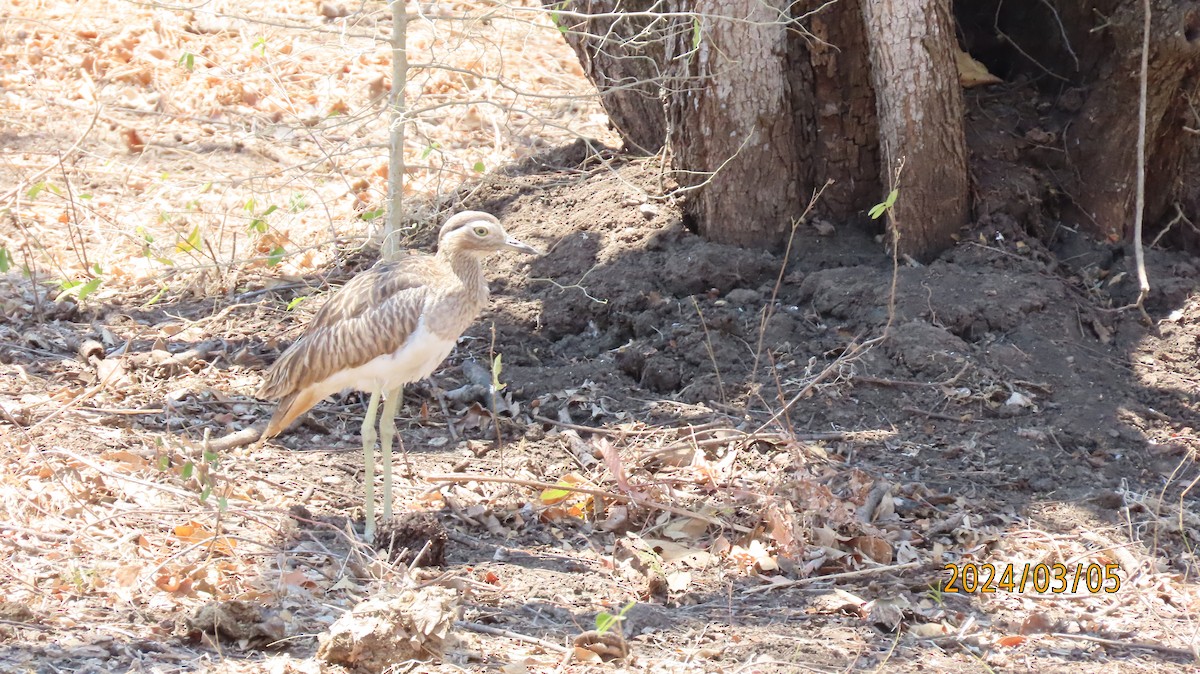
{"x": 370, "y": 316}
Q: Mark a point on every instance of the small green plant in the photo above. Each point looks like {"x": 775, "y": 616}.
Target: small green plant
{"x": 295, "y": 302}
{"x": 6, "y": 260}
{"x": 556, "y": 16}
{"x": 937, "y": 594}
{"x": 36, "y": 189}
{"x": 188, "y": 60}
{"x": 261, "y": 45}
{"x": 371, "y": 214}
{"x": 606, "y": 621}
{"x": 479, "y": 167}
{"x": 192, "y": 241}
{"x": 258, "y": 223}
{"x": 209, "y": 461}
{"x": 276, "y": 256}
{"x": 429, "y": 149}
{"x": 883, "y": 207}
{"x": 157, "y": 296}
{"x": 297, "y": 203}
{"x": 81, "y": 289}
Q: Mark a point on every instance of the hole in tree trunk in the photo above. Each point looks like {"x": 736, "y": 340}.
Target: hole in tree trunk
{"x": 1191, "y": 28}
{"x": 690, "y": 223}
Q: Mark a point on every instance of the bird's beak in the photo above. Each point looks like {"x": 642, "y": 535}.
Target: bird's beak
{"x": 517, "y": 244}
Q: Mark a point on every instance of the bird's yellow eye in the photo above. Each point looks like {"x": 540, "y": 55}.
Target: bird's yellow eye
{"x": 481, "y": 231}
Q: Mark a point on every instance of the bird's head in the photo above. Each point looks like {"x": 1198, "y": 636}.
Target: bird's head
{"x": 478, "y": 232}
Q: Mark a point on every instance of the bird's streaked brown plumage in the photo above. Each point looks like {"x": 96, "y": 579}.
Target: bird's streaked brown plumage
{"x": 390, "y": 325}
{"x": 357, "y": 336}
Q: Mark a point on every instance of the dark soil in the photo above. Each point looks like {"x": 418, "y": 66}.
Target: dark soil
{"x": 1001, "y": 408}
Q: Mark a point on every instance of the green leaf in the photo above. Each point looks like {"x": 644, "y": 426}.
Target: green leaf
{"x": 270, "y": 209}
{"x": 188, "y": 60}
{"x": 158, "y": 296}
{"x": 297, "y": 203}
{"x": 164, "y": 462}
{"x": 275, "y": 256}
{"x": 35, "y": 190}
{"x": 479, "y": 167}
{"x": 556, "y": 16}
{"x": 85, "y": 196}
{"x": 295, "y": 302}
{"x": 222, "y": 503}
{"x": 604, "y": 621}
{"x": 261, "y": 45}
{"x": 6, "y": 260}
{"x": 429, "y": 150}
{"x": 891, "y": 199}
{"x": 211, "y": 456}
{"x": 696, "y": 32}
{"x": 192, "y": 242}
{"x": 250, "y": 204}
{"x": 879, "y": 209}
{"x": 206, "y": 493}
{"x": 89, "y": 288}
{"x": 553, "y": 494}
{"x": 371, "y": 215}
{"x": 257, "y": 225}
{"x": 187, "y": 470}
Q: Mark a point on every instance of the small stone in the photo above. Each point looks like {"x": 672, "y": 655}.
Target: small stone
{"x": 824, "y": 228}
{"x": 648, "y": 211}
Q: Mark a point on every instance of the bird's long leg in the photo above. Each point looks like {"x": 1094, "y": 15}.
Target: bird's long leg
{"x": 387, "y": 431}
{"x": 368, "y": 437}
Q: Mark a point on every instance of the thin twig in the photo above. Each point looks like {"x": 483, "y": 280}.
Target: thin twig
{"x": 626, "y": 498}
{"x": 874, "y": 571}
{"x": 1180, "y": 652}
{"x": 497, "y": 632}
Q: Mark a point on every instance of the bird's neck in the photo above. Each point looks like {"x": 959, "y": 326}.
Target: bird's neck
{"x": 468, "y": 269}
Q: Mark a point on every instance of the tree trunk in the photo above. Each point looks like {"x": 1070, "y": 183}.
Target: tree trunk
{"x": 841, "y": 101}
{"x": 779, "y": 105}
{"x": 622, "y": 54}
{"x": 920, "y": 107}
{"x": 844, "y": 91}
{"x": 733, "y": 132}
{"x": 1103, "y": 143}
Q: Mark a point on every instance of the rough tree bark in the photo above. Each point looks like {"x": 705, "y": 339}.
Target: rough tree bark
{"x": 1102, "y": 144}
{"x": 780, "y": 103}
{"x": 920, "y": 119}
{"x": 620, "y": 46}
{"x": 1085, "y": 56}
{"x": 733, "y": 133}
{"x": 777, "y": 109}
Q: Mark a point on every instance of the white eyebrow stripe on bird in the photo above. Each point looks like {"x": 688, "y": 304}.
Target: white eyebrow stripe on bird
{"x": 467, "y": 223}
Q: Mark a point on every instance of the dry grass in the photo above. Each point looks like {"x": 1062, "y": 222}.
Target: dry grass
{"x": 244, "y": 135}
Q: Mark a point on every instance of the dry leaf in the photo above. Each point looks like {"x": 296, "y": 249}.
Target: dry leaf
{"x": 679, "y": 581}
{"x": 877, "y": 549}
{"x": 972, "y": 73}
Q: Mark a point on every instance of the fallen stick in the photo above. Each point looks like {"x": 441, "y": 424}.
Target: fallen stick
{"x": 469, "y": 477}
{"x": 833, "y": 576}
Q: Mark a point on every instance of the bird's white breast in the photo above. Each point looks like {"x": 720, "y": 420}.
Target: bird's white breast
{"x": 416, "y": 359}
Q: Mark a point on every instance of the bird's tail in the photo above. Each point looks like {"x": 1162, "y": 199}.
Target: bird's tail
{"x": 290, "y": 408}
